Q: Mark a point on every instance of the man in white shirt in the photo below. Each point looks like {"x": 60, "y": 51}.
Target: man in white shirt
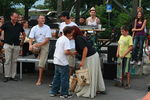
{"x": 41, "y": 33}
{"x": 66, "y": 21}
{"x": 61, "y": 77}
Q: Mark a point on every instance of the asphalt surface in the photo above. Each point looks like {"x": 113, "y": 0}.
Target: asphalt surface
{"x": 26, "y": 89}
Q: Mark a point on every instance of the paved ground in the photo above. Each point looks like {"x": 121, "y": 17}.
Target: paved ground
{"x": 26, "y": 89}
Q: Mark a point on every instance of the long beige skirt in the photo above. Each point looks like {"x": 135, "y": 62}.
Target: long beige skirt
{"x": 96, "y": 79}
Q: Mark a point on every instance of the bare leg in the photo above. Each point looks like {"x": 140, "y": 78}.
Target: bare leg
{"x": 122, "y": 79}
{"x": 40, "y": 77}
{"x": 128, "y": 78}
{"x": 71, "y": 71}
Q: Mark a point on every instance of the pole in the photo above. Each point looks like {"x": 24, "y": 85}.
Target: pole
{"x": 109, "y": 19}
{"x": 59, "y": 6}
{"x": 140, "y": 3}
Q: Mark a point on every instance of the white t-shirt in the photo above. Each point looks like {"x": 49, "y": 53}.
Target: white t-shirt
{"x": 27, "y": 31}
{"x": 40, "y": 33}
{"x": 62, "y": 26}
{"x": 62, "y": 44}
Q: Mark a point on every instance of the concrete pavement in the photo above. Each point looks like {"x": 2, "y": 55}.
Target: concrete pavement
{"x": 26, "y": 89}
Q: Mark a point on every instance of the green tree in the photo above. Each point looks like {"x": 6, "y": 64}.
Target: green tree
{"x": 6, "y": 7}
{"x": 27, "y": 5}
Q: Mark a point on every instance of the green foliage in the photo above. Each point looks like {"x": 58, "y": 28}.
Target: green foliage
{"x": 40, "y": 7}
{"x": 147, "y": 16}
{"x": 51, "y": 4}
{"x": 6, "y": 7}
{"x": 117, "y": 19}
{"x": 122, "y": 19}
{"x": 27, "y": 3}
{"x": 20, "y": 11}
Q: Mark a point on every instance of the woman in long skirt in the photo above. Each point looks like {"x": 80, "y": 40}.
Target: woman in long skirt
{"x": 91, "y": 61}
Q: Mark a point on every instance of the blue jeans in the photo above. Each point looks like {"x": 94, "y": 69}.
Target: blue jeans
{"x": 61, "y": 80}
{"x": 138, "y": 42}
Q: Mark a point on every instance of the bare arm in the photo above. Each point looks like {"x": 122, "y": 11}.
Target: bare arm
{"x": 68, "y": 52}
{"x": 129, "y": 49}
{"x": 87, "y": 21}
{"x": 30, "y": 44}
{"x": 98, "y": 21}
{"x": 143, "y": 26}
{"x": 42, "y": 43}
{"x": 84, "y": 55}
{"x": 1, "y": 30}
{"x": 117, "y": 54}
{"x": 135, "y": 22}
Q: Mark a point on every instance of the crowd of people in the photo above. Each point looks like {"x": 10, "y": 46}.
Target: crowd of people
{"x": 71, "y": 42}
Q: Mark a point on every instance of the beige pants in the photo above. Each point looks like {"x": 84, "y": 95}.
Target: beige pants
{"x": 11, "y": 55}
{"x": 43, "y": 55}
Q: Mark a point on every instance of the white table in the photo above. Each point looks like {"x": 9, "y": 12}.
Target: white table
{"x": 31, "y": 60}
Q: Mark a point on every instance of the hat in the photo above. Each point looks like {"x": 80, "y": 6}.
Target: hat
{"x": 64, "y": 14}
{"x": 92, "y": 9}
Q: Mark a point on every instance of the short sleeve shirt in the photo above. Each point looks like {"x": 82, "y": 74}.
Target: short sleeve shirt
{"x": 12, "y": 33}
{"x": 81, "y": 42}
{"x": 40, "y": 33}
{"x": 62, "y": 26}
{"x": 62, "y": 44}
{"x": 124, "y": 43}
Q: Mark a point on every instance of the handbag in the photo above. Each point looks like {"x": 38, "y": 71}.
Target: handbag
{"x": 36, "y": 50}
{"x": 83, "y": 77}
{"x": 73, "y": 82}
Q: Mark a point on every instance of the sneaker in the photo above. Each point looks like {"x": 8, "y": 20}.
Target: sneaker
{"x": 14, "y": 79}
{"x": 53, "y": 95}
{"x": 139, "y": 63}
{"x": 66, "y": 96}
{"x": 50, "y": 85}
{"x": 132, "y": 62}
{"x": 6, "y": 79}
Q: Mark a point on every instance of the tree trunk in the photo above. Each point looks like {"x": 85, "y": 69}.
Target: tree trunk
{"x": 26, "y": 9}
{"x": 120, "y": 5}
{"x": 77, "y": 11}
{"x": 134, "y": 6}
{"x": 59, "y": 6}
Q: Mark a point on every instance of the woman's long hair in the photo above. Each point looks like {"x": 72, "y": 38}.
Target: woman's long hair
{"x": 77, "y": 32}
{"x": 142, "y": 17}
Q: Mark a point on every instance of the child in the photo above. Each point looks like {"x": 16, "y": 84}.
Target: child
{"x": 61, "y": 77}
{"x": 125, "y": 45}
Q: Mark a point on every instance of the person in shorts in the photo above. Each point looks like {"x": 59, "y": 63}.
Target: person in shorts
{"x": 125, "y": 45}
{"x": 41, "y": 33}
